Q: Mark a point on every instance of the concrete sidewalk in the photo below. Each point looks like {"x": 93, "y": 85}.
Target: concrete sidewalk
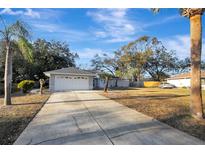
{"x": 89, "y": 118}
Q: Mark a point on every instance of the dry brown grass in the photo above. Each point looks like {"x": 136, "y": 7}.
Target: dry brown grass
{"x": 170, "y": 106}
{"x": 14, "y": 118}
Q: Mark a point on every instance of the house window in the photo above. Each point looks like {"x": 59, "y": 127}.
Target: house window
{"x": 68, "y": 77}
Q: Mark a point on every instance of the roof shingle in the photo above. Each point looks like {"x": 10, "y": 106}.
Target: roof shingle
{"x": 71, "y": 71}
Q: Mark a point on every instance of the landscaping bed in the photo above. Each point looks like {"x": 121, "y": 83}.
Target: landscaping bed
{"x": 14, "y": 118}
{"x": 170, "y": 106}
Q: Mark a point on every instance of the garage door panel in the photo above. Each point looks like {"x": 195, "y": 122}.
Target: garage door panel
{"x": 63, "y": 83}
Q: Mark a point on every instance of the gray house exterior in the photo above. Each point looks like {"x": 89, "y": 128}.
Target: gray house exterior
{"x": 70, "y": 79}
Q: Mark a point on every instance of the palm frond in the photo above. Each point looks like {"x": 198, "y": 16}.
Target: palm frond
{"x": 26, "y": 49}
{"x": 188, "y": 12}
{"x": 155, "y": 10}
{"x": 4, "y": 33}
{"x": 19, "y": 29}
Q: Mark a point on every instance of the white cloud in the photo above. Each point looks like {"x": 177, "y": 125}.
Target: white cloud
{"x": 115, "y": 24}
{"x": 46, "y": 27}
{"x": 86, "y": 54}
{"x": 162, "y": 21}
{"x": 181, "y": 44}
{"x": 66, "y": 32}
{"x": 119, "y": 39}
{"x": 31, "y": 13}
{"x": 89, "y": 53}
{"x": 25, "y": 12}
{"x": 10, "y": 12}
{"x": 100, "y": 34}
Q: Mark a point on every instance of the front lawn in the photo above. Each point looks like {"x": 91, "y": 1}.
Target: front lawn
{"x": 170, "y": 106}
{"x": 14, "y": 118}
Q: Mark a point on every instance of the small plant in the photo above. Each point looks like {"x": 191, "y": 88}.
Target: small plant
{"x": 26, "y": 85}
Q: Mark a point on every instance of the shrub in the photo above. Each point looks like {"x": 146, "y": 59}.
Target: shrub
{"x": 26, "y": 85}
{"x": 14, "y": 88}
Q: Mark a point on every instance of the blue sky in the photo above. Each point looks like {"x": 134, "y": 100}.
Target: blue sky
{"x": 98, "y": 31}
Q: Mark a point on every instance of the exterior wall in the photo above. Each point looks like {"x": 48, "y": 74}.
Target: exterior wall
{"x": 123, "y": 83}
{"x": 180, "y": 82}
{"x": 138, "y": 84}
{"x": 112, "y": 83}
{"x": 51, "y": 83}
{"x": 99, "y": 83}
{"x": 90, "y": 83}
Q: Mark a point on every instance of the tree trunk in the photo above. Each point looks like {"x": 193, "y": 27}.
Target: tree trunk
{"x": 42, "y": 82}
{"x": 196, "y": 43}
{"x": 41, "y": 90}
{"x": 138, "y": 77}
{"x": 8, "y": 76}
{"x": 106, "y": 84}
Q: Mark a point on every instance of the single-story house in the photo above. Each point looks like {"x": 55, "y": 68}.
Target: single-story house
{"x": 184, "y": 79}
{"x": 72, "y": 78}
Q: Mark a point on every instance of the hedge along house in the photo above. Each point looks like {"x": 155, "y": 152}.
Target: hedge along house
{"x": 70, "y": 79}
{"x": 184, "y": 80}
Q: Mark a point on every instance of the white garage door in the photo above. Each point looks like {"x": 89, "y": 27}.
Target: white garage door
{"x": 63, "y": 83}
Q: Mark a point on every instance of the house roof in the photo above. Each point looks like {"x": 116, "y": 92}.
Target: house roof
{"x": 71, "y": 71}
{"x": 185, "y": 76}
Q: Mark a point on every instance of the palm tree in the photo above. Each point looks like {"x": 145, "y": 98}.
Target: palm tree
{"x": 195, "y": 14}
{"x": 12, "y": 36}
{"x": 106, "y": 76}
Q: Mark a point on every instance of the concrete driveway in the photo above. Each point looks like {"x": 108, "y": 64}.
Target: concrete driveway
{"x": 89, "y": 118}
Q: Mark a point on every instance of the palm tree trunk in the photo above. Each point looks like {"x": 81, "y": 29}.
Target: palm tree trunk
{"x": 41, "y": 81}
{"x": 8, "y": 76}
{"x": 196, "y": 43}
{"x": 106, "y": 84}
{"x": 41, "y": 89}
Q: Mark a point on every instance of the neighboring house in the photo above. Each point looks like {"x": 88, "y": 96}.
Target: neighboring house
{"x": 184, "y": 80}
{"x": 77, "y": 79}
